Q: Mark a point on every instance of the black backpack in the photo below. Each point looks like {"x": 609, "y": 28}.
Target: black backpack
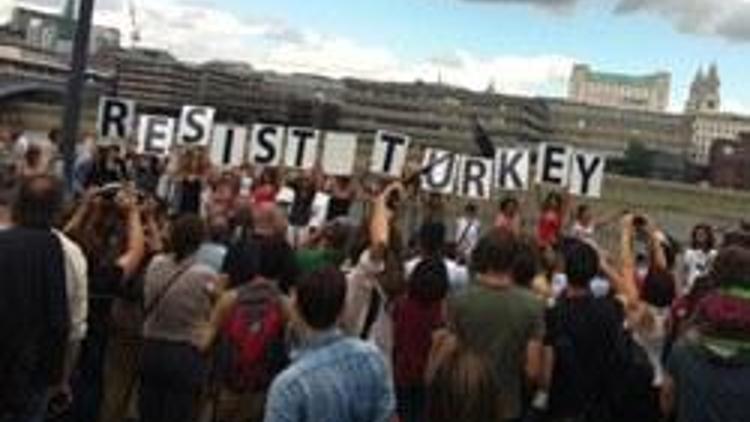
{"x": 629, "y": 385}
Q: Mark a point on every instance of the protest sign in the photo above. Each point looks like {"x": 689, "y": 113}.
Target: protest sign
{"x": 553, "y": 164}
{"x": 155, "y": 134}
{"x": 339, "y": 153}
{"x": 441, "y": 177}
{"x": 442, "y": 171}
{"x": 301, "y": 147}
{"x": 266, "y": 144}
{"x": 587, "y": 174}
{"x": 512, "y": 169}
{"x": 195, "y": 126}
{"x": 228, "y": 145}
{"x": 116, "y": 118}
{"x": 389, "y": 153}
{"x": 476, "y": 176}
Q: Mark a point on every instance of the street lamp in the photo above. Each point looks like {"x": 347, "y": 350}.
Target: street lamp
{"x": 74, "y": 92}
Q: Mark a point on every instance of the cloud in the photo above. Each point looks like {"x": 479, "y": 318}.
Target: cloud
{"x": 197, "y": 31}
{"x": 729, "y": 19}
{"x": 556, "y": 5}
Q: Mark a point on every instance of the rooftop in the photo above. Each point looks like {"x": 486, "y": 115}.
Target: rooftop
{"x": 623, "y": 79}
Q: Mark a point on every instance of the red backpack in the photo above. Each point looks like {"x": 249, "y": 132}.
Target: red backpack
{"x": 254, "y": 338}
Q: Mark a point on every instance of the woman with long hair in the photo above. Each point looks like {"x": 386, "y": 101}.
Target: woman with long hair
{"x": 461, "y": 385}
{"x": 109, "y": 228}
{"x": 699, "y": 256}
{"x": 416, "y": 315}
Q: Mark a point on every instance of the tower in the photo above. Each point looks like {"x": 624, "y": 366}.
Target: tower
{"x": 705, "y": 90}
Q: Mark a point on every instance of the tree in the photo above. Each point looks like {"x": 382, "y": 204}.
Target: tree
{"x": 638, "y": 160}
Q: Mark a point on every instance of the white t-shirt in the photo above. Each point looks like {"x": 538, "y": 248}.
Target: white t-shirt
{"x": 76, "y": 283}
{"x": 696, "y": 263}
{"x": 468, "y": 231}
{"x": 581, "y": 231}
{"x": 458, "y": 275}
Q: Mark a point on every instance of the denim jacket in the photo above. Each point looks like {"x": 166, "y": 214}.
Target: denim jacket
{"x": 334, "y": 379}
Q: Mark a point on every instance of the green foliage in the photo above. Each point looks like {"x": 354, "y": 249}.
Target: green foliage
{"x": 638, "y": 160}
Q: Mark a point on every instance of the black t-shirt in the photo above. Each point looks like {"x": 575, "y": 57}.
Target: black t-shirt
{"x": 581, "y": 331}
{"x": 338, "y": 207}
{"x": 190, "y": 197}
{"x": 34, "y": 318}
{"x": 301, "y": 209}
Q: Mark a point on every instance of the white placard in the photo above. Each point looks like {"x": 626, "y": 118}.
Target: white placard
{"x": 441, "y": 177}
{"x": 339, "y": 153}
{"x": 155, "y": 134}
{"x": 196, "y": 123}
{"x": 116, "y": 118}
{"x": 553, "y": 164}
{"x": 228, "y": 145}
{"x": 301, "y": 147}
{"x": 389, "y": 153}
{"x": 512, "y": 169}
{"x": 587, "y": 174}
{"x": 267, "y": 144}
{"x": 476, "y": 175}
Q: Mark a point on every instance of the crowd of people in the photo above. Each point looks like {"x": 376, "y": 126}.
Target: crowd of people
{"x": 171, "y": 290}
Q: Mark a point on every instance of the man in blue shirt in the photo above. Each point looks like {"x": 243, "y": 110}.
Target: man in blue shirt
{"x": 333, "y": 378}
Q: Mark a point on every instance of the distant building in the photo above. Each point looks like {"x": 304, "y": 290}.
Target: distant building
{"x": 646, "y": 93}
{"x": 441, "y": 116}
{"x": 705, "y": 96}
{"x": 54, "y": 32}
{"x": 160, "y": 83}
{"x": 707, "y": 122}
{"x": 611, "y": 130}
{"x": 730, "y": 163}
{"x": 32, "y": 87}
{"x": 705, "y": 128}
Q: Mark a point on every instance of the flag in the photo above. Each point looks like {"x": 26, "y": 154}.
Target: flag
{"x": 482, "y": 140}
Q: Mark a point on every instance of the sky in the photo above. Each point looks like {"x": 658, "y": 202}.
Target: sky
{"x": 525, "y": 47}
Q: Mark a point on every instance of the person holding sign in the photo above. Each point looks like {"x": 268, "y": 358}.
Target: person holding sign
{"x": 552, "y": 219}
{"x": 267, "y": 187}
{"x": 585, "y": 224}
{"x": 343, "y": 191}
{"x": 468, "y": 230}
{"x": 305, "y": 188}
{"x": 193, "y": 169}
{"x": 509, "y": 217}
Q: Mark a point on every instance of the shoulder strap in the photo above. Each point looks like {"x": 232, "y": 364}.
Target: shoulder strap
{"x": 173, "y": 279}
{"x": 372, "y": 313}
{"x": 469, "y": 225}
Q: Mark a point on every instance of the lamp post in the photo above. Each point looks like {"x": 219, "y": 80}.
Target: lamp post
{"x": 74, "y": 92}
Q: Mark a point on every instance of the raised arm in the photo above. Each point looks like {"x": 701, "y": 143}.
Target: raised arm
{"x": 381, "y": 218}
{"x": 130, "y": 261}
{"x": 79, "y": 216}
{"x": 656, "y": 249}
{"x": 625, "y": 284}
